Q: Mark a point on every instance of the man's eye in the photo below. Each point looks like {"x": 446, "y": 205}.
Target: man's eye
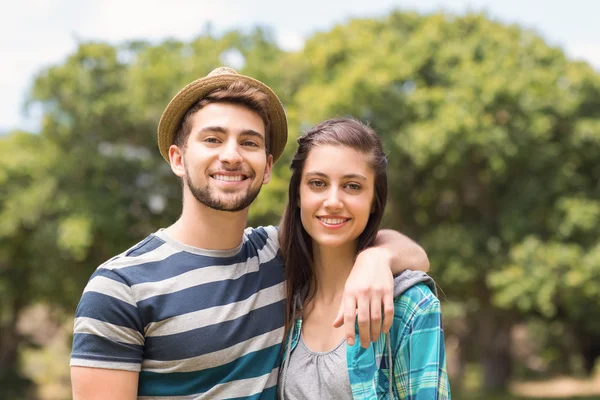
{"x": 211, "y": 140}
{"x": 250, "y": 143}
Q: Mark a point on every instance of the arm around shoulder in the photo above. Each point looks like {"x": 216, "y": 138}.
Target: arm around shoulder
{"x": 404, "y": 252}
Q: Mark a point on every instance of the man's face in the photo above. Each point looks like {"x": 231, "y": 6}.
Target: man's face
{"x": 224, "y": 163}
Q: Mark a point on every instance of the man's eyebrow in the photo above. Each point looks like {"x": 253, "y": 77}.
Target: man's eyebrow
{"x": 253, "y": 133}
{"x": 215, "y": 129}
{"x": 347, "y": 176}
{"x": 220, "y": 129}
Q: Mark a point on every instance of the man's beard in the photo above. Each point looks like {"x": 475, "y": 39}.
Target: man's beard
{"x": 207, "y": 197}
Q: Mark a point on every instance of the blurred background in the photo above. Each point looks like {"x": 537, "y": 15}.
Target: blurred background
{"x": 490, "y": 113}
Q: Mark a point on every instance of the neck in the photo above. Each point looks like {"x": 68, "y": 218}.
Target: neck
{"x": 205, "y": 228}
{"x": 332, "y": 268}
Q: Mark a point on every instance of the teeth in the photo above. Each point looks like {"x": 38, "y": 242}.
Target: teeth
{"x": 333, "y": 221}
{"x": 229, "y": 178}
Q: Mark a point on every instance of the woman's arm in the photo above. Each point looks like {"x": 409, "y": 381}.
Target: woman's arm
{"x": 419, "y": 366}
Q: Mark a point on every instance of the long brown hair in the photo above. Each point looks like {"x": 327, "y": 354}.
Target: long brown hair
{"x": 295, "y": 243}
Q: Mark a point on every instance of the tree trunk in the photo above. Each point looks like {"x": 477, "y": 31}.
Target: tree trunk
{"x": 456, "y": 360}
{"x": 496, "y": 371}
{"x": 12, "y": 384}
{"x": 589, "y": 344}
{"x": 495, "y": 344}
{"x": 8, "y": 351}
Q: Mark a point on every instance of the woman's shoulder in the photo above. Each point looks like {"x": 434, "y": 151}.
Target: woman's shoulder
{"x": 414, "y": 286}
{"x": 417, "y": 299}
{"x": 420, "y": 291}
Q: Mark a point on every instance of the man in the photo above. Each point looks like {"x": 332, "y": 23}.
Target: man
{"x": 196, "y": 310}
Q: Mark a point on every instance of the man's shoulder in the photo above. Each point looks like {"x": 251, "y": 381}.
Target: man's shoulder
{"x": 151, "y": 249}
{"x": 261, "y": 230}
{"x": 262, "y": 235}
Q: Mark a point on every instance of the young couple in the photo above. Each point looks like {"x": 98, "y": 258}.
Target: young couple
{"x": 208, "y": 308}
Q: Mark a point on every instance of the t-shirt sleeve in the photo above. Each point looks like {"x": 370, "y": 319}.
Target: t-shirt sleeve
{"x": 273, "y": 232}
{"x": 108, "y": 329}
{"x": 266, "y": 241}
{"x": 265, "y": 238}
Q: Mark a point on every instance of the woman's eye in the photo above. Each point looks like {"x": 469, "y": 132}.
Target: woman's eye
{"x": 353, "y": 186}
{"x": 317, "y": 184}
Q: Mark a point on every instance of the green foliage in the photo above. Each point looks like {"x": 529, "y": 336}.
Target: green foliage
{"x": 91, "y": 183}
{"x": 493, "y": 140}
{"x": 494, "y": 144}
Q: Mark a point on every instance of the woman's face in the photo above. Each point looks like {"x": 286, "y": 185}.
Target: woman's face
{"x": 336, "y": 195}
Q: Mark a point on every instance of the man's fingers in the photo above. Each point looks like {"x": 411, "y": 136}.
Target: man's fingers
{"x": 375, "y": 318}
{"x": 388, "y": 313}
{"x": 349, "y": 318}
{"x": 339, "y": 319}
{"x": 364, "y": 322}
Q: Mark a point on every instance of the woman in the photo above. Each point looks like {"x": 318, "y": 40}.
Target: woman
{"x": 337, "y": 197}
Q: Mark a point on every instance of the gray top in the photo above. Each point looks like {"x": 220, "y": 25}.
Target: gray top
{"x": 325, "y": 375}
{"x": 314, "y": 375}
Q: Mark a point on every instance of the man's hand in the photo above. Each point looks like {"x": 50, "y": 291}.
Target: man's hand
{"x": 369, "y": 288}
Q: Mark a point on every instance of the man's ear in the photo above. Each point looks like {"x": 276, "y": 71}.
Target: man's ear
{"x": 268, "y": 169}
{"x": 176, "y": 160}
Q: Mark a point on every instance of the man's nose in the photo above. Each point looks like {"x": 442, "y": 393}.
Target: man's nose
{"x": 230, "y": 153}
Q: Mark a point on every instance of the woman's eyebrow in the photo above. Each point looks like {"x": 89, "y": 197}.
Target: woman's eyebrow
{"x": 347, "y": 176}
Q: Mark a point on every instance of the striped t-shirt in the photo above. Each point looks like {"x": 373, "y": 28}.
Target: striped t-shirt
{"x": 195, "y": 323}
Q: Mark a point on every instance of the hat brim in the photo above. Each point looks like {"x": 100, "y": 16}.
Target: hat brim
{"x": 177, "y": 107}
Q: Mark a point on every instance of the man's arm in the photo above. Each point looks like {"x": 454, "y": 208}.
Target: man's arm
{"x": 403, "y": 252}
{"x": 108, "y": 340}
{"x": 370, "y": 286}
{"x": 100, "y": 384}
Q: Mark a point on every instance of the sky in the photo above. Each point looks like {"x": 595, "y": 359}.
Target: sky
{"x": 35, "y": 34}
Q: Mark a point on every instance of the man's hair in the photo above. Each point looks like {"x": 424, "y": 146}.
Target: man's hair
{"x": 236, "y": 93}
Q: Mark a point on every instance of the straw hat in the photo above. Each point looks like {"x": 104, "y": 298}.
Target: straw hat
{"x": 219, "y": 78}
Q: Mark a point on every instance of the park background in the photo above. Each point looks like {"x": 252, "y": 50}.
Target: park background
{"x": 490, "y": 114}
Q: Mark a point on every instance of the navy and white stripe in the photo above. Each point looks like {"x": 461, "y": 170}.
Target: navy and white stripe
{"x": 195, "y": 323}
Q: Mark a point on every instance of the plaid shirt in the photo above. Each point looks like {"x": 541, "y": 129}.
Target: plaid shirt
{"x": 417, "y": 349}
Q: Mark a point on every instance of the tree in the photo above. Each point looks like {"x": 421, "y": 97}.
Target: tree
{"x": 494, "y": 140}
{"x": 92, "y": 183}
{"x": 29, "y": 220}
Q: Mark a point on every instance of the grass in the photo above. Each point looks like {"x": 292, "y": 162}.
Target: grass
{"x": 507, "y": 396}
